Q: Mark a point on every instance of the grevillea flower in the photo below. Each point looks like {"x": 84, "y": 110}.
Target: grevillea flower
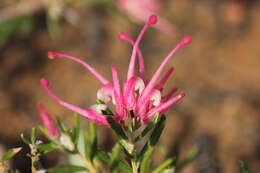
{"x": 143, "y": 9}
{"x": 47, "y": 122}
{"x": 138, "y": 97}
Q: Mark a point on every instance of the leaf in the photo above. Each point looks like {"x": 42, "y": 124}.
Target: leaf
{"x": 25, "y": 140}
{"x": 10, "y": 153}
{"x": 164, "y": 149}
{"x": 243, "y": 167}
{"x": 191, "y": 156}
{"x": 122, "y": 138}
{"x": 47, "y": 135}
{"x": 16, "y": 26}
{"x": 115, "y": 158}
{"x": 91, "y": 141}
{"x": 148, "y": 127}
{"x": 66, "y": 169}
{"x": 152, "y": 141}
{"x": 105, "y": 157}
{"x": 62, "y": 125}
{"x": 167, "y": 163}
{"x": 76, "y": 128}
{"x": 46, "y": 148}
{"x": 33, "y": 135}
{"x": 146, "y": 161}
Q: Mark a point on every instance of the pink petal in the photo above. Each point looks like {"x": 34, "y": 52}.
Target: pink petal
{"x": 118, "y": 94}
{"x": 47, "y": 122}
{"x": 105, "y": 94}
{"x": 131, "y": 86}
{"x": 163, "y": 107}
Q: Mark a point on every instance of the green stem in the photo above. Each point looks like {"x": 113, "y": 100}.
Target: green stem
{"x": 88, "y": 164}
{"x": 134, "y": 166}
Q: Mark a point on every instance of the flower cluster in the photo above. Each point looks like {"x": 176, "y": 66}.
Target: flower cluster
{"x": 138, "y": 98}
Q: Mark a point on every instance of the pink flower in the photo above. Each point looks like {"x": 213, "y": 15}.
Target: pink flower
{"x": 47, "y": 122}
{"x": 143, "y": 9}
{"x": 142, "y": 98}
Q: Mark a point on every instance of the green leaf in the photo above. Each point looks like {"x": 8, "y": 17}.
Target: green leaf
{"x": 91, "y": 141}
{"x": 47, "y": 135}
{"x": 66, "y": 169}
{"x": 164, "y": 149}
{"x": 33, "y": 135}
{"x": 191, "y": 156}
{"x": 243, "y": 167}
{"x": 105, "y": 157}
{"x": 115, "y": 158}
{"x": 25, "y": 140}
{"x": 62, "y": 125}
{"x": 16, "y": 26}
{"x": 148, "y": 127}
{"x": 10, "y": 153}
{"x": 167, "y": 163}
{"x": 76, "y": 128}
{"x": 146, "y": 161}
{"x": 46, "y": 148}
{"x": 122, "y": 138}
{"x": 152, "y": 141}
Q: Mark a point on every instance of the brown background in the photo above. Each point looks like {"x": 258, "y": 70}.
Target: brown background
{"x": 219, "y": 72}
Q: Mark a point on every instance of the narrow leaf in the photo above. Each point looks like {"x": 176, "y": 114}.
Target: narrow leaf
{"x": 123, "y": 140}
{"x": 25, "y": 140}
{"x": 10, "y": 153}
{"x": 154, "y": 136}
{"x": 148, "y": 127}
{"x": 115, "y": 158}
{"x": 76, "y": 128}
{"x": 46, "y": 148}
{"x": 146, "y": 161}
{"x": 91, "y": 141}
{"x": 33, "y": 135}
{"x": 191, "y": 156}
{"x": 62, "y": 125}
{"x": 66, "y": 169}
{"x": 167, "y": 163}
{"x": 105, "y": 157}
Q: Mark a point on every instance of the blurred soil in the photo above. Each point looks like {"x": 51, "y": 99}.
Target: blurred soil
{"x": 219, "y": 72}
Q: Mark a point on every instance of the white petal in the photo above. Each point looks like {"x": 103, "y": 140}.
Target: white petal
{"x": 98, "y": 108}
{"x": 139, "y": 85}
{"x": 156, "y": 97}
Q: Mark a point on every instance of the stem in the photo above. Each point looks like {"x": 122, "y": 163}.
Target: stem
{"x": 88, "y": 164}
{"x": 134, "y": 166}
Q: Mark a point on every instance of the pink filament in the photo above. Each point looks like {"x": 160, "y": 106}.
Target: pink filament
{"x": 118, "y": 93}
{"x": 92, "y": 117}
{"x": 169, "y": 95}
{"x": 186, "y": 40}
{"x": 152, "y": 20}
{"x": 123, "y": 37}
{"x": 53, "y": 55}
{"x": 164, "y": 79}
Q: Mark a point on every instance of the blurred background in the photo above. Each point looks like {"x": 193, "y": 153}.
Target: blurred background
{"x": 219, "y": 71}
